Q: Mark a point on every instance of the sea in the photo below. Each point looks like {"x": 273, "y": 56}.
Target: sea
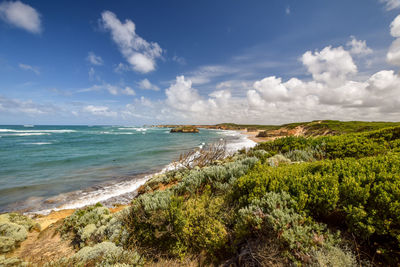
{"x": 45, "y": 168}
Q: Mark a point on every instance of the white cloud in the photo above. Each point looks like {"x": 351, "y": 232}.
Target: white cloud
{"x": 94, "y": 59}
{"x": 287, "y": 10}
{"x": 128, "y": 91}
{"x": 100, "y": 111}
{"x": 145, "y": 102}
{"x": 179, "y": 60}
{"x": 147, "y": 85}
{"x": 182, "y": 97}
{"x": 358, "y": 47}
{"x": 15, "y": 106}
{"x": 139, "y": 53}
{"x": 205, "y": 74}
{"x": 393, "y": 55}
{"x": 330, "y": 65}
{"x": 395, "y": 27}
{"x": 332, "y": 94}
{"x": 121, "y": 67}
{"x": 112, "y": 89}
{"x": 21, "y": 15}
{"x": 391, "y": 4}
{"x": 30, "y": 68}
{"x": 271, "y": 89}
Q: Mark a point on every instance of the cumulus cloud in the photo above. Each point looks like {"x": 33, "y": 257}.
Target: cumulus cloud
{"x": 139, "y": 53}
{"x": 21, "y": 16}
{"x": 358, "y": 47}
{"x": 330, "y": 65}
{"x": 182, "y": 97}
{"x": 29, "y": 67}
{"x": 147, "y": 85}
{"x": 94, "y": 59}
{"x": 391, "y": 4}
{"x": 334, "y": 92}
{"x": 393, "y": 55}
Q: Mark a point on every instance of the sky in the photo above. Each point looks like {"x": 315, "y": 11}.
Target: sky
{"x": 198, "y": 62}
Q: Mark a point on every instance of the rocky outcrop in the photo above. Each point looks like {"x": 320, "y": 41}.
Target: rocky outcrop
{"x": 185, "y": 129}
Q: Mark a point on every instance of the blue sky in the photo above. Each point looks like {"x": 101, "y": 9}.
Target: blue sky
{"x": 146, "y": 62}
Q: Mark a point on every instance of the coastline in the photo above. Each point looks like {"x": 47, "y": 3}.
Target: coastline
{"x": 49, "y": 216}
{"x": 253, "y": 136}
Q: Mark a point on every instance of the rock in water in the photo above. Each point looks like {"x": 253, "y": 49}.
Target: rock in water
{"x": 185, "y": 129}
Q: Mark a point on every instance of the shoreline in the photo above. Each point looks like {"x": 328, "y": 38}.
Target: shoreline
{"x": 48, "y": 216}
{"x": 253, "y": 136}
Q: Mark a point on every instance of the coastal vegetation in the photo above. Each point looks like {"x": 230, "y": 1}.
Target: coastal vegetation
{"x": 330, "y": 200}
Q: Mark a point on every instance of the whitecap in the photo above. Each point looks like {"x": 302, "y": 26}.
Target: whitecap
{"x": 36, "y": 131}
{"x": 38, "y": 143}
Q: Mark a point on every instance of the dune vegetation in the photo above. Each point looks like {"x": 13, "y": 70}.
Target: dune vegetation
{"x": 295, "y": 201}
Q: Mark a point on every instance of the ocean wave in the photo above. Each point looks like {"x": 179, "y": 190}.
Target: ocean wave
{"x": 116, "y": 133}
{"x": 133, "y": 128}
{"x": 36, "y": 131}
{"x": 100, "y": 194}
{"x": 24, "y": 134}
{"x": 39, "y": 143}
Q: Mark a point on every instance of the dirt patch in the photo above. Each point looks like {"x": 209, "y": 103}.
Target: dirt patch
{"x": 45, "y": 246}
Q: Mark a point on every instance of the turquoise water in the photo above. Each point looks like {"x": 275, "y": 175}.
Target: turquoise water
{"x": 43, "y": 167}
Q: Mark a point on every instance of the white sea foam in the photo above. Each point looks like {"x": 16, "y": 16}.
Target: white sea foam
{"x": 134, "y": 128}
{"x": 24, "y": 134}
{"x": 38, "y": 143}
{"x": 35, "y": 131}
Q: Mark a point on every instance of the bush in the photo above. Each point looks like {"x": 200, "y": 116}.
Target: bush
{"x": 102, "y": 254}
{"x": 275, "y": 214}
{"x": 12, "y": 262}
{"x": 202, "y": 226}
{"x": 301, "y": 155}
{"x": 365, "y": 193}
{"x": 216, "y": 176}
{"x": 7, "y": 244}
{"x": 14, "y": 229}
{"x": 349, "y": 145}
{"x": 84, "y": 223}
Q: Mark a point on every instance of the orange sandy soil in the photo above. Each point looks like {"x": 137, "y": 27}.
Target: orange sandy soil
{"x": 47, "y": 245}
{"x": 282, "y": 132}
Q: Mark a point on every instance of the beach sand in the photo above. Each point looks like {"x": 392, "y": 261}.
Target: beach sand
{"x": 253, "y": 136}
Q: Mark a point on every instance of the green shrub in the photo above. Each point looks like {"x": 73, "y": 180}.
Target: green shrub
{"x": 152, "y": 222}
{"x": 365, "y": 191}
{"x": 7, "y": 244}
{"x": 20, "y": 219}
{"x": 84, "y": 223}
{"x": 12, "y": 261}
{"x": 202, "y": 226}
{"x": 216, "y": 176}
{"x": 349, "y": 145}
{"x": 301, "y": 155}
{"x": 104, "y": 254}
{"x": 275, "y": 214}
{"x": 278, "y": 160}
